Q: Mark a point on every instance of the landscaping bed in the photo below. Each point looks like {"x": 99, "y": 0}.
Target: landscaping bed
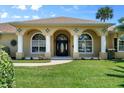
{"x": 31, "y": 61}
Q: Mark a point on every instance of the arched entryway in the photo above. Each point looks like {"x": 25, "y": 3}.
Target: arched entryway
{"x": 62, "y": 43}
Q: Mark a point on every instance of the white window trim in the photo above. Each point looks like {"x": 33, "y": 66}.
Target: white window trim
{"x": 31, "y": 44}
{"x": 92, "y": 44}
{"x": 118, "y": 44}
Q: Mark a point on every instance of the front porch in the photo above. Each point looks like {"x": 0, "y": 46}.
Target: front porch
{"x": 51, "y": 46}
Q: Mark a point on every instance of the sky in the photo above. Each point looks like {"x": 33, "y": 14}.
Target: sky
{"x": 28, "y": 12}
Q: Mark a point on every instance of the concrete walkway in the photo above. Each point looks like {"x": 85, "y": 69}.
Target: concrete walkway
{"x": 52, "y": 62}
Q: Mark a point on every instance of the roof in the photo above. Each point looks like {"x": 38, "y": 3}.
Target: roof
{"x": 10, "y": 27}
{"x": 112, "y": 28}
{"x": 7, "y": 28}
{"x": 59, "y": 21}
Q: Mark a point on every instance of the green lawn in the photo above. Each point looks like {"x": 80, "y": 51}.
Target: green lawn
{"x": 79, "y": 73}
{"x": 31, "y": 61}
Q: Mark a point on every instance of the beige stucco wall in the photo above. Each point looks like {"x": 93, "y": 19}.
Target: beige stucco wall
{"x": 5, "y": 40}
{"x": 27, "y": 43}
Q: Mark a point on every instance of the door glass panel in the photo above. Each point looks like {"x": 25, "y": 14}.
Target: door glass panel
{"x": 62, "y": 47}
{"x": 66, "y": 46}
{"x": 57, "y": 46}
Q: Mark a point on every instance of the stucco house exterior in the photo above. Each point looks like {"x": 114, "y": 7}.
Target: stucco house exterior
{"x": 61, "y": 36}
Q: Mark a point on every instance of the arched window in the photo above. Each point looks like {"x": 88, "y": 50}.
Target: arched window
{"x": 85, "y": 43}
{"x": 38, "y": 43}
{"x": 121, "y": 43}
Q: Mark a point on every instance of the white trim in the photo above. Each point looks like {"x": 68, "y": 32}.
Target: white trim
{"x": 31, "y": 44}
{"x": 92, "y": 44}
{"x": 118, "y": 44}
{"x": 20, "y": 43}
{"x": 47, "y": 43}
{"x": 103, "y": 43}
{"x": 76, "y": 43}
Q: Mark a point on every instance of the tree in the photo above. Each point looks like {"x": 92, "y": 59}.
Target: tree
{"x": 104, "y": 13}
{"x": 121, "y": 20}
{"x": 120, "y": 27}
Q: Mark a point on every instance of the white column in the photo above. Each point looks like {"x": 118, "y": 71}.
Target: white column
{"x": 20, "y": 43}
{"x": 75, "y": 43}
{"x": 103, "y": 43}
{"x": 48, "y": 44}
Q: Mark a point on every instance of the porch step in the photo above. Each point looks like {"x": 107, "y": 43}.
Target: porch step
{"x": 90, "y": 58}
{"x": 62, "y": 58}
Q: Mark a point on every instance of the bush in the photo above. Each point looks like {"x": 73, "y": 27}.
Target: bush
{"x": 5, "y": 48}
{"x": 6, "y": 71}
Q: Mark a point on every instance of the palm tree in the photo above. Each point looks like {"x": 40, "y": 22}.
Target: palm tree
{"x": 104, "y": 13}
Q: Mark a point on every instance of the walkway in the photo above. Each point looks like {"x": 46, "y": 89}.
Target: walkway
{"x": 52, "y": 62}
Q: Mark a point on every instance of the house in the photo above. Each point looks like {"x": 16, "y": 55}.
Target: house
{"x": 61, "y": 36}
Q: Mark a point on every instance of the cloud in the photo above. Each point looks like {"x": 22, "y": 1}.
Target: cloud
{"x": 89, "y": 11}
{"x": 16, "y": 16}
{"x": 36, "y": 7}
{"x": 76, "y": 7}
{"x": 21, "y": 7}
{"x": 67, "y": 9}
{"x": 26, "y": 17}
{"x": 35, "y": 17}
{"x": 4, "y": 15}
{"x": 52, "y": 14}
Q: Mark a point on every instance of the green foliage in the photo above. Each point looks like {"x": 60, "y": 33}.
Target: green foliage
{"x": 5, "y": 48}
{"x": 104, "y": 13}
{"x": 6, "y": 71}
{"x": 120, "y": 27}
{"x": 121, "y": 20}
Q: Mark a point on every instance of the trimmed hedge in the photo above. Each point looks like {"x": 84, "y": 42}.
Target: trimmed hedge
{"x": 6, "y": 71}
{"x": 5, "y": 48}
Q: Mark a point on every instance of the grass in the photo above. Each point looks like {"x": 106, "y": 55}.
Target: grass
{"x": 31, "y": 61}
{"x": 79, "y": 73}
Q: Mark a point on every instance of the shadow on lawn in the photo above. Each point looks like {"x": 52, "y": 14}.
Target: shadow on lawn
{"x": 117, "y": 60}
{"x": 119, "y": 69}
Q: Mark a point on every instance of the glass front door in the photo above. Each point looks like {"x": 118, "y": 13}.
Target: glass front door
{"x": 62, "y": 45}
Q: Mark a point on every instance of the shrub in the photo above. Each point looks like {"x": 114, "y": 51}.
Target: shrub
{"x": 5, "y": 48}
{"x": 6, "y": 71}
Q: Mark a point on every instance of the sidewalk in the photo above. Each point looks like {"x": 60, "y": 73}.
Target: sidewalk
{"x": 52, "y": 62}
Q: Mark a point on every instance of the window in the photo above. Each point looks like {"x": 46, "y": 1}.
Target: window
{"x": 85, "y": 43}
{"x": 38, "y": 43}
{"x": 121, "y": 43}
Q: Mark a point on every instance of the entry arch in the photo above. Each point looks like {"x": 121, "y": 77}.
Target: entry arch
{"x": 62, "y": 36}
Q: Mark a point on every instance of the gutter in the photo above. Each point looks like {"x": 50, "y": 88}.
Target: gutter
{"x": 59, "y": 24}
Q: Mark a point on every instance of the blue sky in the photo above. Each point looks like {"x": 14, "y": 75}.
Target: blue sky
{"x": 23, "y": 12}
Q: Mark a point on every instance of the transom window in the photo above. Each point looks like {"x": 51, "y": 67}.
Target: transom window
{"x": 121, "y": 43}
{"x": 85, "y": 43}
{"x": 38, "y": 43}
{"x": 61, "y": 37}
